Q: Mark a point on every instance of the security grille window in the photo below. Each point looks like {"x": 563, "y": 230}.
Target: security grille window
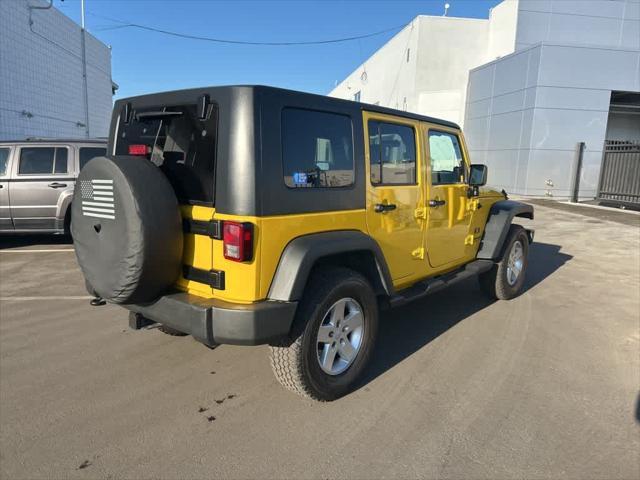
{"x": 4, "y": 161}
{"x": 447, "y": 163}
{"x": 180, "y": 143}
{"x": 87, "y": 153}
{"x": 317, "y": 149}
{"x": 42, "y": 161}
{"x": 392, "y": 150}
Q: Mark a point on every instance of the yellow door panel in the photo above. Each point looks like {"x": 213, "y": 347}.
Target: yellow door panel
{"x": 448, "y": 224}
{"x": 450, "y": 210}
{"x": 395, "y": 193}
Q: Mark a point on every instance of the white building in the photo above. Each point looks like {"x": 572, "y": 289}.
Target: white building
{"x": 528, "y": 84}
{"x": 41, "y": 75}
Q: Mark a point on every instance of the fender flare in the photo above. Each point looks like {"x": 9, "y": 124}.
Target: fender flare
{"x": 501, "y": 215}
{"x": 302, "y": 253}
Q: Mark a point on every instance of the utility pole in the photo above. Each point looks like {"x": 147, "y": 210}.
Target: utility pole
{"x": 84, "y": 70}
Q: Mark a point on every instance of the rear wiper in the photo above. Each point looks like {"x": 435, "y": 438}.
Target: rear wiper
{"x": 158, "y": 115}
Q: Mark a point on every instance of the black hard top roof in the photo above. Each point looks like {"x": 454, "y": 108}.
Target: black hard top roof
{"x": 286, "y": 92}
{"x": 57, "y": 140}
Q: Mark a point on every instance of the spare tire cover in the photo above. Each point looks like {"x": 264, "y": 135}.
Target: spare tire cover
{"x": 127, "y": 229}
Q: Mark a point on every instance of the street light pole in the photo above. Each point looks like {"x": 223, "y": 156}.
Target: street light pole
{"x": 84, "y": 70}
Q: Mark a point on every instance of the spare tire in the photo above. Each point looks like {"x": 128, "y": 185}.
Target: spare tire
{"x": 127, "y": 229}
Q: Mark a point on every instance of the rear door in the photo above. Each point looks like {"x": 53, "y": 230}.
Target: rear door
{"x": 395, "y": 193}
{"x": 181, "y": 141}
{"x": 5, "y": 168}
{"x": 449, "y": 213}
{"x": 40, "y": 177}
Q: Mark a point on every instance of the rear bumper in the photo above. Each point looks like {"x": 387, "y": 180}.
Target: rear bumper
{"x": 216, "y": 322}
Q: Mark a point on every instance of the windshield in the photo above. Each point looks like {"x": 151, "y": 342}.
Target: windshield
{"x": 178, "y": 142}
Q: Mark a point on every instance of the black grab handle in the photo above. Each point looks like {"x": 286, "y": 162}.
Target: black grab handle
{"x": 384, "y": 207}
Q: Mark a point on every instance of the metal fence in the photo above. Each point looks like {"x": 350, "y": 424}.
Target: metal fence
{"x": 620, "y": 173}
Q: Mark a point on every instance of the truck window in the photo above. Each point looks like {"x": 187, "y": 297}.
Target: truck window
{"x": 60, "y": 165}
{"x": 447, "y": 163}
{"x": 392, "y": 151}
{"x": 4, "y": 161}
{"x": 180, "y": 143}
{"x": 87, "y": 153}
{"x": 317, "y": 149}
{"x": 42, "y": 160}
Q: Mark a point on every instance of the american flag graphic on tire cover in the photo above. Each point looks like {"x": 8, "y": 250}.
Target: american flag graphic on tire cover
{"x": 97, "y": 199}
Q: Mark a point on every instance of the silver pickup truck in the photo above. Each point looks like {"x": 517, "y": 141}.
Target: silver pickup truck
{"x": 37, "y": 178}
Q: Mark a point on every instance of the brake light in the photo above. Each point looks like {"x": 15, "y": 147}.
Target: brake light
{"x": 138, "y": 149}
{"x": 237, "y": 241}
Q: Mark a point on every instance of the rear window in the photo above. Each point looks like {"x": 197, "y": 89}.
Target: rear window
{"x": 88, "y": 153}
{"x": 178, "y": 142}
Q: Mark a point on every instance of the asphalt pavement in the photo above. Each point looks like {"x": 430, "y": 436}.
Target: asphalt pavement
{"x": 543, "y": 386}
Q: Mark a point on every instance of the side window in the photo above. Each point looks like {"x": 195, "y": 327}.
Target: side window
{"x": 61, "y": 160}
{"x": 42, "y": 160}
{"x": 447, "y": 163}
{"x": 317, "y": 149}
{"x": 87, "y": 153}
{"x": 392, "y": 150}
{"x": 4, "y": 161}
{"x": 36, "y": 160}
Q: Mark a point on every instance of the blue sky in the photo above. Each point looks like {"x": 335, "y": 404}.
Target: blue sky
{"x": 144, "y": 61}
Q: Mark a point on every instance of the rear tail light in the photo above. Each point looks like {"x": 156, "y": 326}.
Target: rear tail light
{"x": 138, "y": 149}
{"x": 237, "y": 241}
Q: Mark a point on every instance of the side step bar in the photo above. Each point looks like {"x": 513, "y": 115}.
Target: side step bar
{"x": 431, "y": 285}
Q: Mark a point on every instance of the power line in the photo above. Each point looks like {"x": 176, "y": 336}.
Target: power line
{"x": 124, "y": 24}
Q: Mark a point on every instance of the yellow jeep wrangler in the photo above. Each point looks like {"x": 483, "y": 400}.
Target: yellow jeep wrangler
{"x": 254, "y": 215}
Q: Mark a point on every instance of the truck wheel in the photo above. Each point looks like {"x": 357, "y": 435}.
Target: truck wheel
{"x": 333, "y": 336}
{"x": 506, "y": 279}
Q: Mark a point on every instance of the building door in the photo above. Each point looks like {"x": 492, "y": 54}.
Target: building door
{"x": 394, "y": 193}
{"x": 5, "y": 212}
{"x": 449, "y": 215}
{"x": 40, "y": 176}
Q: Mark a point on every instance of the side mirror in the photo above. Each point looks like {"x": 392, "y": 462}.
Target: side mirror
{"x": 478, "y": 175}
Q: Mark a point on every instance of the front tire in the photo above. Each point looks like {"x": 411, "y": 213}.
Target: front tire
{"x": 333, "y": 336}
{"x": 506, "y": 279}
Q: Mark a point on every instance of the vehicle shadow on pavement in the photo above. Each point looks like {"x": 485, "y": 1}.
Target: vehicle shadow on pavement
{"x": 407, "y": 329}
{"x": 18, "y": 241}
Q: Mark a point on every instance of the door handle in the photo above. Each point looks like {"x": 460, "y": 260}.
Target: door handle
{"x": 436, "y": 203}
{"x": 384, "y": 207}
{"x": 57, "y": 185}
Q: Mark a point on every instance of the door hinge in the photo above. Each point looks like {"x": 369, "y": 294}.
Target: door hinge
{"x": 213, "y": 278}
{"x": 418, "y": 253}
{"x": 420, "y": 212}
{"x": 209, "y": 228}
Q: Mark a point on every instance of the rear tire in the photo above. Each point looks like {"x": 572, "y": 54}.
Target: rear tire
{"x": 333, "y": 336}
{"x": 506, "y": 279}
